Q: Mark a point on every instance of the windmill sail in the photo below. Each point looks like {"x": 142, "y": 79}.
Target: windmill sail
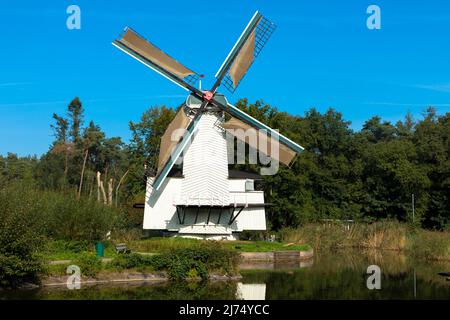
{"x": 245, "y": 51}
{"x": 139, "y": 48}
{"x": 175, "y": 152}
{"x": 171, "y": 137}
{"x": 243, "y": 61}
{"x": 287, "y": 147}
{"x": 263, "y": 142}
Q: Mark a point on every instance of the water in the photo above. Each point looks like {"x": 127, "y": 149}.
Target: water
{"x": 331, "y": 275}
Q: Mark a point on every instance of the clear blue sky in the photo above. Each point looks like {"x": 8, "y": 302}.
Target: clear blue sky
{"x": 321, "y": 55}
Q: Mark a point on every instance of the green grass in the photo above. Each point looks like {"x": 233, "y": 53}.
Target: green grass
{"x": 163, "y": 244}
{"x": 73, "y": 250}
{"x": 385, "y": 235}
{"x": 263, "y": 246}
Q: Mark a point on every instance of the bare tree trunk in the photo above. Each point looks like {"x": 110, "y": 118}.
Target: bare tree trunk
{"x": 102, "y": 188}
{"x": 110, "y": 191}
{"x": 66, "y": 166}
{"x": 82, "y": 172}
{"x": 118, "y": 186}
{"x": 98, "y": 185}
{"x": 105, "y": 175}
{"x": 91, "y": 187}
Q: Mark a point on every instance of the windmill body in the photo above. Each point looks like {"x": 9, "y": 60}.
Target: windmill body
{"x": 193, "y": 192}
{"x": 205, "y": 199}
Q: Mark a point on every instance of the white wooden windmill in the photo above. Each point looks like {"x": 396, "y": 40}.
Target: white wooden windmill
{"x": 207, "y": 199}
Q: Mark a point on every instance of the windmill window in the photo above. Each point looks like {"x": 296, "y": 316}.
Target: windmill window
{"x": 249, "y": 185}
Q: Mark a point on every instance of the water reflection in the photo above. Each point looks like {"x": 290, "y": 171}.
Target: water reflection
{"x": 343, "y": 275}
{"x": 251, "y": 291}
{"x": 331, "y": 275}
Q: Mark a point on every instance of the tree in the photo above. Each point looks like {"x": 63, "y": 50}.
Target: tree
{"x": 144, "y": 145}
{"x": 60, "y": 128}
{"x": 376, "y": 130}
{"x": 61, "y": 145}
{"x": 75, "y": 113}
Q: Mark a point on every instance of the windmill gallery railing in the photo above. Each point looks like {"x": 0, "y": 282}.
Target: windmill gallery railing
{"x": 224, "y": 210}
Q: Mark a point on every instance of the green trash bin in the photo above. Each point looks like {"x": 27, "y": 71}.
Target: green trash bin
{"x": 99, "y": 249}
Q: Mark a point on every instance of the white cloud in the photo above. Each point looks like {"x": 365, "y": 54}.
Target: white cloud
{"x": 14, "y": 84}
{"x": 400, "y": 104}
{"x": 441, "y": 87}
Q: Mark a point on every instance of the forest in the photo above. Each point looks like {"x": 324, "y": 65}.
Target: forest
{"x": 366, "y": 175}
{"x": 82, "y": 190}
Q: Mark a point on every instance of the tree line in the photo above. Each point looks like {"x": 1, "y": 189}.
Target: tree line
{"x": 364, "y": 175}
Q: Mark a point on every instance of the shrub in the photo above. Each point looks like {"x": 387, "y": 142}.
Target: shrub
{"x": 129, "y": 261}
{"x": 70, "y": 218}
{"x": 90, "y": 265}
{"x": 64, "y": 216}
{"x": 21, "y": 236}
{"x": 182, "y": 263}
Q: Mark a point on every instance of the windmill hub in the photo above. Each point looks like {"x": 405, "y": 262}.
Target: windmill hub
{"x": 208, "y": 95}
{"x": 194, "y": 103}
{"x": 203, "y": 197}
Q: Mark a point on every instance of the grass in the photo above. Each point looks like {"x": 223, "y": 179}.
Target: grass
{"x": 386, "y": 235}
{"x": 195, "y": 262}
{"x": 263, "y": 246}
{"x": 76, "y": 250}
{"x": 73, "y": 250}
{"x": 163, "y": 244}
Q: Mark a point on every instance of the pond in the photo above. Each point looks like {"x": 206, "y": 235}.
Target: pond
{"x": 330, "y": 275}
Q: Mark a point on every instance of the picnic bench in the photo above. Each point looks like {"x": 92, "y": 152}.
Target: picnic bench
{"x": 122, "y": 248}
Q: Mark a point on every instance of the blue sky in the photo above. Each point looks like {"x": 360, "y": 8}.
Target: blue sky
{"x": 321, "y": 55}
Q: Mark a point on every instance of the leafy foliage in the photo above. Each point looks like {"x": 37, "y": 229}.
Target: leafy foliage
{"x": 90, "y": 265}
{"x": 181, "y": 263}
{"x": 363, "y": 175}
{"x": 21, "y": 235}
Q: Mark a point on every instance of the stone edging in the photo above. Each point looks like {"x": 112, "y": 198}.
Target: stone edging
{"x": 270, "y": 256}
{"x": 123, "y": 277}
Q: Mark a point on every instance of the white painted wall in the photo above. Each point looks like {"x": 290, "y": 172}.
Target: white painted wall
{"x": 205, "y": 165}
{"x": 205, "y": 183}
{"x": 160, "y": 211}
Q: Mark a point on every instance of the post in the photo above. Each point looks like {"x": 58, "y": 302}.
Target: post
{"x": 412, "y": 200}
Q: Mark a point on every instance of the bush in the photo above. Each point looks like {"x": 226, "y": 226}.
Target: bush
{"x": 182, "y": 263}
{"x": 252, "y": 235}
{"x": 70, "y": 218}
{"x": 64, "y": 216}
{"x": 129, "y": 261}
{"x": 21, "y": 236}
{"x": 90, "y": 265}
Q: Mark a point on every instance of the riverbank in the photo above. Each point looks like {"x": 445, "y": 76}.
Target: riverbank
{"x": 342, "y": 272}
{"x": 393, "y": 236}
{"x": 170, "y": 258}
{"x": 111, "y": 278}
{"x": 72, "y": 250}
{"x": 180, "y": 258}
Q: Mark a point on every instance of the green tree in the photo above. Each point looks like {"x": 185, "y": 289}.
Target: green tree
{"x": 75, "y": 113}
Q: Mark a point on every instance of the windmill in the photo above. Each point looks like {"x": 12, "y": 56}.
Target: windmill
{"x": 207, "y": 199}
